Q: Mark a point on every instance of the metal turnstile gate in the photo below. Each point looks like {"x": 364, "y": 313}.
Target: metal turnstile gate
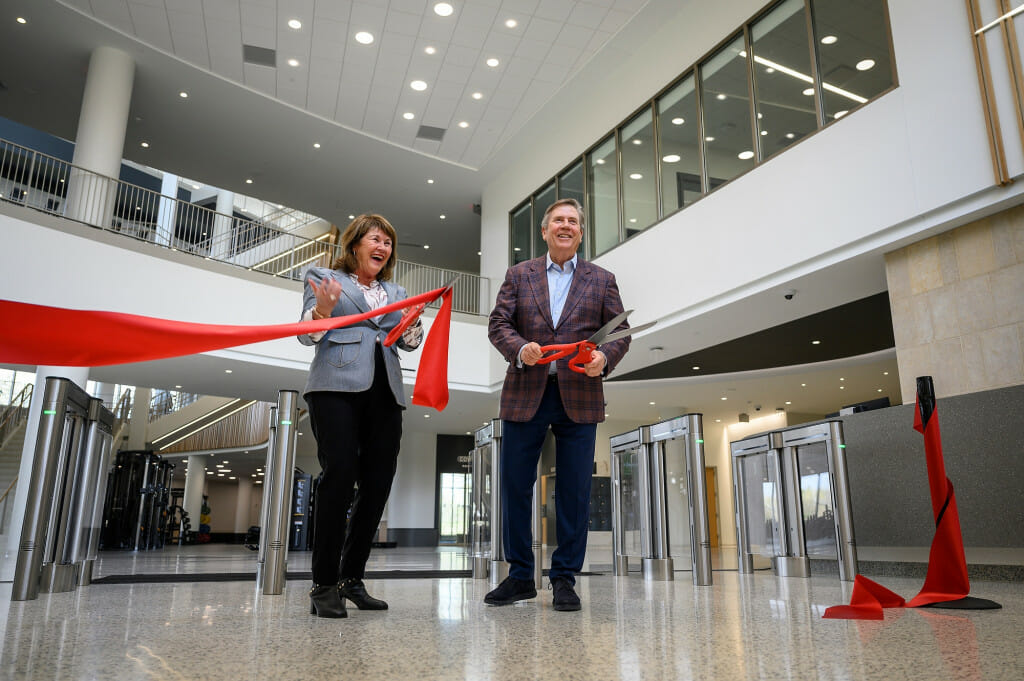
{"x": 793, "y": 500}
{"x": 59, "y": 534}
{"x": 487, "y": 552}
{"x": 659, "y": 499}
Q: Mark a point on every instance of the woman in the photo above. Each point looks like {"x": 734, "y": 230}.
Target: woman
{"x": 355, "y": 398}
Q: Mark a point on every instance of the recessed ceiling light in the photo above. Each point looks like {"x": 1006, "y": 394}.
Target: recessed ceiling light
{"x": 219, "y": 465}
{"x": 478, "y": 95}
{"x": 745, "y": 155}
{"x": 316, "y": 145}
{"x": 364, "y": 37}
{"x": 183, "y": 94}
{"x": 632, "y": 219}
{"x": 865, "y": 64}
{"x": 695, "y": 368}
{"x": 248, "y": 181}
{"x": 651, "y": 403}
{"x": 22, "y": 20}
{"x": 178, "y": 387}
{"x": 842, "y": 387}
{"x": 885, "y": 373}
{"x": 803, "y": 385}
{"x": 724, "y": 399}
{"x": 599, "y": 161}
{"x": 209, "y": 472}
{"x": 418, "y": 85}
{"x": 442, "y": 217}
{"x": 636, "y": 176}
{"x": 294, "y": 23}
{"x": 492, "y": 62}
{"x": 144, "y": 145}
{"x": 678, "y": 121}
{"x": 720, "y": 97}
{"x": 709, "y": 138}
{"x": 463, "y": 124}
{"x": 764, "y": 132}
{"x": 841, "y": 378}
{"x": 769, "y": 70}
{"x": 790, "y": 135}
{"x": 351, "y": 217}
{"x": 638, "y": 142}
{"x": 408, "y": 115}
{"x": 511, "y": 23}
{"x": 840, "y": 114}
{"x": 426, "y": 416}
{"x": 816, "y": 342}
{"x": 430, "y": 49}
{"x": 718, "y": 420}
{"x": 430, "y": 181}
{"x": 788, "y": 402}
{"x": 829, "y": 40}
{"x": 426, "y": 247}
{"x": 671, "y": 158}
{"x": 879, "y": 390}
{"x": 227, "y": 371}
{"x": 809, "y": 91}
{"x": 293, "y": 62}
{"x": 220, "y": 475}
{"x": 479, "y": 253}
{"x": 443, "y": 9}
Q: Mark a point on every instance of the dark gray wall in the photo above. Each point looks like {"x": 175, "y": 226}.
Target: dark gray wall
{"x": 983, "y": 447}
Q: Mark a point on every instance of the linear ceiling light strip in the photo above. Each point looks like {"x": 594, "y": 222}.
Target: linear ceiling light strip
{"x": 211, "y": 423}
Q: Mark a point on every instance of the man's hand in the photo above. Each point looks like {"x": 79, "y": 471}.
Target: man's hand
{"x": 530, "y": 354}
{"x": 596, "y": 364}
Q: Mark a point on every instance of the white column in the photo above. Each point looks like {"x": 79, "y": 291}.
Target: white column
{"x": 168, "y": 210}
{"x": 16, "y": 506}
{"x": 99, "y": 142}
{"x": 220, "y": 246}
{"x": 139, "y": 422}
{"x": 243, "y": 505}
{"x": 195, "y": 483}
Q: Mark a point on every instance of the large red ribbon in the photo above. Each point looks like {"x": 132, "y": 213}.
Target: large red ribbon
{"x": 97, "y": 338}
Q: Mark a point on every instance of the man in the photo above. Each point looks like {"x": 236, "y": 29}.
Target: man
{"x": 557, "y": 298}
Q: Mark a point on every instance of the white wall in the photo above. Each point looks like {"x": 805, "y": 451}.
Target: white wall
{"x": 412, "y": 495}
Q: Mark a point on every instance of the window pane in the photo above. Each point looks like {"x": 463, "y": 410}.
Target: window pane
{"x": 852, "y": 40}
{"x": 639, "y": 195}
{"x": 544, "y": 198}
{"x": 521, "y": 234}
{"x": 604, "y": 206}
{"x": 782, "y": 77}
{"x": 679, "y": 147}
{"x": 570, "y": 186}
{"x": 728, "y": 142}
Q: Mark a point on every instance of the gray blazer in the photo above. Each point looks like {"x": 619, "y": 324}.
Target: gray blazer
{"x": 344, "y": 359}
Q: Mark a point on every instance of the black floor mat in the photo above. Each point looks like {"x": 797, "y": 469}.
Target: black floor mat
{"x": 307, "y": 576}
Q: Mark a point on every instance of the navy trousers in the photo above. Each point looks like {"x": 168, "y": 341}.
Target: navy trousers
{"x": 574, "y": 465}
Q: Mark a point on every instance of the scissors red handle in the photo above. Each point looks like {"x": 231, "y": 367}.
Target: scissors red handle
{"x": 407, "y": 320}
{"x": 584, "y": 350}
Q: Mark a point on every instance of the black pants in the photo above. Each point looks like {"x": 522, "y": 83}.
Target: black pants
{"x": 357, "y": 437}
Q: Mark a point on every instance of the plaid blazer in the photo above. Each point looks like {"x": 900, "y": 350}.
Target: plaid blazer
{"x": 522, "y": 314}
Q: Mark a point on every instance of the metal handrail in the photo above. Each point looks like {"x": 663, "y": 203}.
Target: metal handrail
{"x": 123, "y": 409}
{"x": 165, "y": 402}
{"x": 3, "y": 501}
{"x": 56, "y": 187}
{"x": 15, "y": 413}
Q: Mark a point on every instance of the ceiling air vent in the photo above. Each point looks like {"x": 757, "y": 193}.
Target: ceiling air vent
{"x": 261, "y": 56}
{"x": 429, "y": 132}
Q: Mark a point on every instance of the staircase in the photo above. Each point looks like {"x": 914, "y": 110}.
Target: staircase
{"x": 10, "y": 462}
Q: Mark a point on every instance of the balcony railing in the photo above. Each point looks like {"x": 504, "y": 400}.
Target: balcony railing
{"x": 54, "y": 186}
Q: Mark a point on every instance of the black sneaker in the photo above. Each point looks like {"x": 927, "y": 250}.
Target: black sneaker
{"x": 510, "y": 591}
{"x": 564, "y": 597}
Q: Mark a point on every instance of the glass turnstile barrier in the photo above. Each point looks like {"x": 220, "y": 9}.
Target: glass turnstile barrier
{"x": 659, "y": 499}
{"x": 57, "y": 534}
{"x": 485, "y": 539}
{"x": 792, "y": 500}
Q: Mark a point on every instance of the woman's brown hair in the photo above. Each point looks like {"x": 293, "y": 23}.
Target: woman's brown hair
{"x": 354, "y": 233}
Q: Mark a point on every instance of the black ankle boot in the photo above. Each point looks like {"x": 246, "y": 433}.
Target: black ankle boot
{"x": 354, "y": 590}
{"x": 325, "y": 601}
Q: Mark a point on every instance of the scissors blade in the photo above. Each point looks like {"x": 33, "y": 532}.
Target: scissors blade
{"x": 601, "y": 333}
{"x": 627, "y": 332}
{"x": 451, "y": 283}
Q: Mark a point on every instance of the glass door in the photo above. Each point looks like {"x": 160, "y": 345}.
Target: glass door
{"x": 455, "y": 492}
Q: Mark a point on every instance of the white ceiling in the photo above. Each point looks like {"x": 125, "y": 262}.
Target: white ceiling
{"x": 366, "y": 87}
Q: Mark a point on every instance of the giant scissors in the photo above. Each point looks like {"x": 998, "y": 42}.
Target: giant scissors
{"x": 413, "y": 313}
{"x": 584, "y": 349}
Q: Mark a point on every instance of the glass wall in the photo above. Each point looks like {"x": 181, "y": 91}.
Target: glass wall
{"x": 679, "y": 146}
{"x": 783, "y": 81}
{"x": 795, "y": 67}
{"x": 602, "y": 196}
{"x": 639, "y": 191}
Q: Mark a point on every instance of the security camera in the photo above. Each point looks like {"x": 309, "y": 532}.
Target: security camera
{"x": 788, "y": 295}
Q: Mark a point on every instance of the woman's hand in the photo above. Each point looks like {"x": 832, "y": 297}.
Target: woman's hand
{"x": 326, "y": 293}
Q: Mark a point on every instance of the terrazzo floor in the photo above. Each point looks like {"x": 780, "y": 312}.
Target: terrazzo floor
{"x": 754, "y": 626}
